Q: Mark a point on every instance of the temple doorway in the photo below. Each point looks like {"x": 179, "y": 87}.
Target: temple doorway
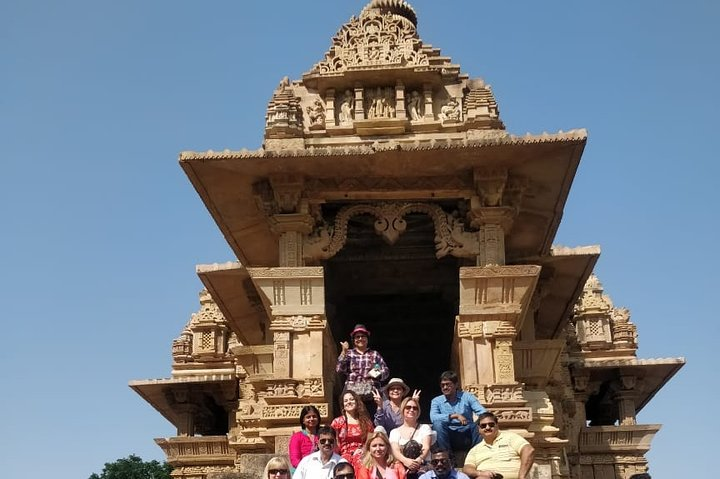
{"x": 406, "y": 297}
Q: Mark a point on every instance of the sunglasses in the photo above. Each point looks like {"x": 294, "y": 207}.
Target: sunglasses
{"x": 348, "y": 475}
{"x": 435, "y": 462}
{"x": 327, "y": 441}
{"x": 274, "y": 472}
{"x": 411, "y": 408}
{"x": 487, "y": 425}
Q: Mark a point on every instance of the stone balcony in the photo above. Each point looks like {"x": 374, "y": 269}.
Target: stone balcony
{"x": 634, "y": 439}
{"x": 497, "y": 293}
{"x": 291, "y": 291}
{"x": 535, "y": 360}
{"x": 192, "y": 451}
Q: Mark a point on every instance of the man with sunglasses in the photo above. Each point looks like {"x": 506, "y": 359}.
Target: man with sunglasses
{"x": 320, "y": 464}
{"x": 500, "y": 455}
{"x": 442, "y": 467}
{"x": 343, "y": 470}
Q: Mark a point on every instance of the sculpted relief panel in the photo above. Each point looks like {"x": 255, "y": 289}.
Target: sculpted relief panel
{"x": 450, "y": 235}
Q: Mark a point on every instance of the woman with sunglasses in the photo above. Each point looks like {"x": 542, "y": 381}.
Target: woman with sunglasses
{"x": 277, "y": 468}
{"x": 352, "y": 427}
{"x": 378, "y": 461}
{"x": 389, "y": 411}
{"x": 304, "y": 441}
{"x": 411, "y": 441}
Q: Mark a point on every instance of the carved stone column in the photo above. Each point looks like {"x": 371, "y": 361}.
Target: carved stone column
{"x": 492, "y": 224}
{"x": 290, "y": 218}
{"x": 427, "y": 93}
{"x": 329, "y": 107}
{"x": 359, "y": 107}
{"x": 493, "y": 304}
{"x": 400, "y": 100}
{"x": 626, "y": 400}
{"x": 493, "y": 210}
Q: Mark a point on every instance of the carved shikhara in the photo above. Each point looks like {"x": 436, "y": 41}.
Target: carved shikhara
{"x": 450, "y": 235}
{"x": 373, "y": 40}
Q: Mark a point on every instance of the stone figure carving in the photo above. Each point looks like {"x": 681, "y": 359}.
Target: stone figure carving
{"x": 316, "y": 112}
{"x": 414, "y": 106}
{"x": 381, "y": 103}
{"x": 450, "y": 111}
{"x": 346, "y": 109}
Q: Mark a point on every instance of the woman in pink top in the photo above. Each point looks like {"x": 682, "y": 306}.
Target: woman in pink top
{"x": 352, "y": 428}
{"x": 304, "y": 441}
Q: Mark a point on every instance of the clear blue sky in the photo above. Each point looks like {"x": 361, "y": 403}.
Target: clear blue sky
{"x": 102, "y": 231}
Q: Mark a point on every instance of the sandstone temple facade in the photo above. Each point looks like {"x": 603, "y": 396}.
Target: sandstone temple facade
{"x": 388, "y": 192}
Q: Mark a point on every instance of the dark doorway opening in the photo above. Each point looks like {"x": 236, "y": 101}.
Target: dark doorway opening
{"x": 405, "y": 295}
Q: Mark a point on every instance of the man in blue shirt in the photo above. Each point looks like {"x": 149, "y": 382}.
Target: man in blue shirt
{"x": 451, "y": 414}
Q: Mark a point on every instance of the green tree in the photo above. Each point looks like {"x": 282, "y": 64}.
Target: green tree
{"x": 133, "y": 467}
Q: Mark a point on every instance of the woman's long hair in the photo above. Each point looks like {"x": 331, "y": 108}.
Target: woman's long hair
{"x": 362, "y": 415}
{"x": 367, "y": 459}
{"x": 277, "y": 462}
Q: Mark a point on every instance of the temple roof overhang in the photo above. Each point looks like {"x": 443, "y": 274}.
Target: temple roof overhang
{"x": 563, "y": 276}
{"x": 232, "y": 289}
{"x": 225, "y": 181}
{"x": 651, "y": 374}
{"x": 170, "y": 396}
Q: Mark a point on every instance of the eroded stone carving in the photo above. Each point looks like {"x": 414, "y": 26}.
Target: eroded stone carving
{"x": 501, "y": 393}
{"x": 347, "y": 109}
{"x": 415, "y": 106}
{"x": 316, "y": 113}
{"x": 379, "y": 103}
{"x": 450, "y": 111}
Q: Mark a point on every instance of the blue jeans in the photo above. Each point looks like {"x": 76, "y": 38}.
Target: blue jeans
{"x": 455, "y": 437}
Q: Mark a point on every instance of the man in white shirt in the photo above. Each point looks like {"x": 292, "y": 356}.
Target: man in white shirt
{"x": 320, "y": 464}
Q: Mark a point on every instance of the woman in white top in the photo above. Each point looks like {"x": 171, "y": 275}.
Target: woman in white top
{"x": 411, "y": 430}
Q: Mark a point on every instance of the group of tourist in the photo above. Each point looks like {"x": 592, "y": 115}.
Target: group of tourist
{"x": 378, "y": 434}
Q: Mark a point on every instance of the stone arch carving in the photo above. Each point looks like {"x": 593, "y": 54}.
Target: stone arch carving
{"x": 450, "y": 235}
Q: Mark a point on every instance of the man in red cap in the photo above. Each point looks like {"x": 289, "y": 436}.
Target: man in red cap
{"x": 365, "y": 368}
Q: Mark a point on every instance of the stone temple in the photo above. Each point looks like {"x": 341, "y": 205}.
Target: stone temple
{"x": 388, "y": 192}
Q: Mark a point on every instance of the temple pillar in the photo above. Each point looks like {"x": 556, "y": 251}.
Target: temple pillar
{"x": 329, "y": 107}
{"x": 626, "y": 400}
{"x": 493, "y": 303}
{"x": 400, "y": 100}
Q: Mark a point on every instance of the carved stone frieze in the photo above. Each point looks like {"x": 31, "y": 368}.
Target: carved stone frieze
{"x": 312, "y": 387}
{"x": 288, "y": 411}
{"x": 338, "y": 188}
{"x": 471, "y": 329}
{"x": 504, "y": 394}
{"x": 302, "y": 272}
{"x": 513, "y": 417}
{"x": 281, "y": 389}
{"x": 450, "y": 236}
